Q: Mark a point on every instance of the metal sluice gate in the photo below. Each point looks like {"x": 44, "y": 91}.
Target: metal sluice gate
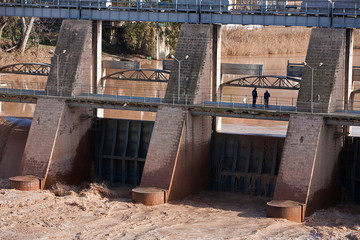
{"x": 245, "y": 164}
{"x": 120, "y": 150}
{"x": 350, "y": 169}
{"x": 239, "y": 163}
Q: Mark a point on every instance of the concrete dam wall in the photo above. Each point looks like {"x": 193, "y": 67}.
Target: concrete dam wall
{"x": 239, "y": 163}
{"x": 13, "y": 135}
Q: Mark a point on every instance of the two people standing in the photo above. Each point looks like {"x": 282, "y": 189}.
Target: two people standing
{"x": 266, "y": 97}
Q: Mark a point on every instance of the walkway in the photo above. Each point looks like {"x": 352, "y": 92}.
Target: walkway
{"x": 148, "y": 103}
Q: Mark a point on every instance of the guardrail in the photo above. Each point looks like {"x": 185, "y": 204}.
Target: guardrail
{"x": 126, "y": 94}
{"x": 309, "y": 7}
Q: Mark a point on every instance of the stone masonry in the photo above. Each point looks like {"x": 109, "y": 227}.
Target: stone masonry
{"x": 40, "y": 142}
{"x": 163, "y": 149}
{"x": 308, "y": 171}
{"x": 74, "y": 50}
{"x": 178, "y": 159}
{"x": 196, "y": 42}
{"x": 326, "y": 46}
{"x": 309, "y": 163}
{"x": 58, "y": 141}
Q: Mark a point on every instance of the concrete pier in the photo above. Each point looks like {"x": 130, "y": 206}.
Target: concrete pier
{"x": 178, "y": 160}
{"x": 57, "y": 148}
{"x": 309, "y": 169}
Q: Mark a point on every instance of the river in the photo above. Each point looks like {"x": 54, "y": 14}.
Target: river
{"x": 272, "y": 65}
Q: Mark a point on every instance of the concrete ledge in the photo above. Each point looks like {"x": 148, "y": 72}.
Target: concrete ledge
{"x": 148, "y": 196}
{"x": 26, "y": 183}
{"x": 287, "y": 209}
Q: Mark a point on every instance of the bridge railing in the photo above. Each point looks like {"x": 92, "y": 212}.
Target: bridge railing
{"x": 268, "y": 7}
{"x": 128, "y": 94}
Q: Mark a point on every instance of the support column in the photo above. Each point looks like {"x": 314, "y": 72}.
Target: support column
{"x": 308, "y": 174}
{"x": 309, "y": 179}
{"x": 97, "y": 61}
{"x": 178, "y": 160}
{"x": 74, "y": 71}
{"x": 348, "y": 67}
{"x": 58, "y": 142}
{"x": 327, "y": 82}
{"x": 97, "y": 49}
{"x": 216, "y": 49}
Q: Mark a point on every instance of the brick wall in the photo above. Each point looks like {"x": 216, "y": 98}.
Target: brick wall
{"x": 308, "y": 165}
{"x": 58, "y": 143}
{"x": 298, "y": 157}
{"x": 192, "y": 171}
{"x": 163, "y": 148}
{"x": 325, "y": 183}
{"x": 57, "y": 147}
{"x": 70, "y": 161}
{"x": 75, "y": 65}
{"x": 196, "y": 42}
{"x": 40, "y": 142}
{"x": 326, "y": 46}
{"x": 178, "y": 158}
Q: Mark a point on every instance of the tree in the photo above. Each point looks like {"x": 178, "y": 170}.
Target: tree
{"x": 3, "y": 22}
{"x": 140, "y": 36}
{"x": 172, "y": 31}
{"x": 26, "y": 30}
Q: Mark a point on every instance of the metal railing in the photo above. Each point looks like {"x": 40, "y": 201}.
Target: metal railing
{"x": 128, "y": 94}
{"x": 297, "y": 7}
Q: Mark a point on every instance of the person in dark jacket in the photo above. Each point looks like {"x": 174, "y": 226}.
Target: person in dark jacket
{"x": 254, "y": 95}
{"x": 266, "y": 98}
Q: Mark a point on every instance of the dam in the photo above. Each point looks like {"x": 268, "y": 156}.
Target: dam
{"x": 181, "y": 152}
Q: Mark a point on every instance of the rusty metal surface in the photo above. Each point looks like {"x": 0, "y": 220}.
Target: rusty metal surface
{"x": 26, "y": 183}
{"x": 286, "y": 209}
{"x": 148, "y": 196}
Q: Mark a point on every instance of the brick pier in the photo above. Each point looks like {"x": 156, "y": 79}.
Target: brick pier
{"x": 178, "y": 159}
{"x": 309, "y": 168}
{"x": 57, "y": 148}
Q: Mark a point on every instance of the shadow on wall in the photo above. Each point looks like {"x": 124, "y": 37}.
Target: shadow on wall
{"x": 13, "y": 135}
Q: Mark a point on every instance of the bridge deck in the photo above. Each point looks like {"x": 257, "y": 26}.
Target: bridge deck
{"x": 298, "y": 13}
{"x": 216, "y": 109}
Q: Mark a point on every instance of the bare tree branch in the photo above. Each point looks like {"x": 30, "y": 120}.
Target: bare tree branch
{"x": 26, "y": 35}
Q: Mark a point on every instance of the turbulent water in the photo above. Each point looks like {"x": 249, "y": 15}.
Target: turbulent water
{"x": 69, "y": 213}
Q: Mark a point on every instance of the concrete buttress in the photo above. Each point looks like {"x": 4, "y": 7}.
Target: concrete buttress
{"x": 178, "y": 159}
{"x": 309, "y": 170}
{"x": 57, "y": 148}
